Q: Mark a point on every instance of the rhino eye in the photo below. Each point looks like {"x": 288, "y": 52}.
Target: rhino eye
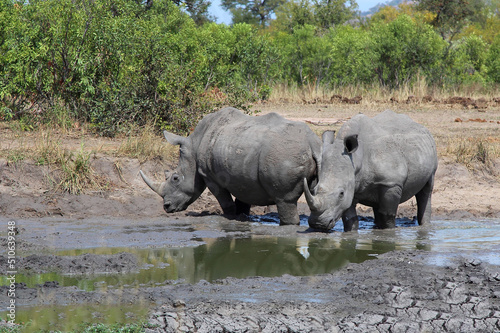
{"x": 176, "y": 178}
{"x": 341, "y": 195}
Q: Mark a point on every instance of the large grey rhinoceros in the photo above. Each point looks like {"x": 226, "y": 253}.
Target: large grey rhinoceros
{"x": 379, "y": 162}
{"x": 259, "y": 160}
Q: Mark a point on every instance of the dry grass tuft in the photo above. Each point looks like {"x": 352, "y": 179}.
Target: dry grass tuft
{"x": 146, "y": 145}
{"x": 418, "y": 92}
{"x": 475, "y": 153}
{"x": 76, "y": 175}
{"x": 69, "y": 171}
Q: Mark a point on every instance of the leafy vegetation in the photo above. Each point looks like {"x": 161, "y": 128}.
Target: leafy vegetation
{"x": 111, "y": 64}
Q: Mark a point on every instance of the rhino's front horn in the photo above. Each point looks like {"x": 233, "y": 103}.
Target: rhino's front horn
{"x": 313, "y": 202}
{"x": 155, "y": 187}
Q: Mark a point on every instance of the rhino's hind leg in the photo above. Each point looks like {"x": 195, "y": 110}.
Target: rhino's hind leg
{"x": 287, "y": 212}
{"x": 424, "y": 203}
{"x": 241, "y": 207}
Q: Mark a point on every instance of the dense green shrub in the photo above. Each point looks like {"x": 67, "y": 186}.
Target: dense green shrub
{"x": 112, "y": 62}
{"x": 353, "y": 56}
{"x": 466, "y": 61}
{"x": 404, "y": 48}
{"x": 493, "y": 60}
{"x": 305, "y": 55}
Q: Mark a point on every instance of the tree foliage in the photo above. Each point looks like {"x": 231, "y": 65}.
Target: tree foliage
{"x": 353, "y": 56}
{"x": 114, "y": 62}
{"x": 294, "y": 13}
{"x": 257, "y": 12}
{"x": 451, "y": 16}
{"x": 330, "y": 13}
{"x": 493, "y": 60}
{"x": 324, "y": 14}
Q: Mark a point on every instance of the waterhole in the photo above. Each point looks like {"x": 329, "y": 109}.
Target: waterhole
{"x": 303, "y": 253}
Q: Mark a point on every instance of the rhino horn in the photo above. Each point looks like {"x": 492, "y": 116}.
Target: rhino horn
{"x": 154, "y": 186}
{"x": 313, "y": 202}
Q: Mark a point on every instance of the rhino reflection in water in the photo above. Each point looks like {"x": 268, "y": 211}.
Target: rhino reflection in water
{"x": 258, "y": 160}
{"x": 258, "y": 256}
{"x": 379, "y": 162}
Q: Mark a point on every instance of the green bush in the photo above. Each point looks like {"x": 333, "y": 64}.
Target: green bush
{"x": 404, "y": 48}
{"x": 465, "y": 62}
{"x": 492, "y": 62}
{"x": 114, "y": 62}
{"x": 111, "y": 63}
{"x": 353, "y": 57}
{"x": 305, "y": 55}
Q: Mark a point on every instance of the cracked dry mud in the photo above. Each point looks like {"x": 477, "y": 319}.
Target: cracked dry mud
{"x": 399, "y": 292}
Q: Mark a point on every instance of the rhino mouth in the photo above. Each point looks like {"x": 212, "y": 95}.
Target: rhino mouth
{"x": 171, "y": 208}
{"x": 325, "y": 226}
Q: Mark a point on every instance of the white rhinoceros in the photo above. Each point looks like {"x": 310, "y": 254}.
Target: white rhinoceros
{"x": 379, "y": 162}
{"x": 258, "y": 160}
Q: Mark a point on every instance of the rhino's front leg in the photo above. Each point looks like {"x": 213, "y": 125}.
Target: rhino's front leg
{"x": 385, "y": 213}
{"x": 224, "y": 198}
{"x": 287, "y": 212}
{"x": 384, "y": 221}
{"x": 350, "y": 218}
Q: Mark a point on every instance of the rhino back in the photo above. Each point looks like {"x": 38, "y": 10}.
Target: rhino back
{"x": 258, "y": 158}
{"x": 395, "y": 150}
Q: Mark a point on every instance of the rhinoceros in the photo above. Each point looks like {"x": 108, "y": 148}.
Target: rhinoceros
{"x": 258, "y": 160}
{"x": 379, "y": 162}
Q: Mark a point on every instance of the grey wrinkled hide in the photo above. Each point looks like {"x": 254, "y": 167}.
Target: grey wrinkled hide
{"x": 379, "y": 162}
{"x": 259, "y": 160}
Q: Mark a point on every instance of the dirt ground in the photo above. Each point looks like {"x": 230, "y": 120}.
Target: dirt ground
{"x": 398, "y": 292}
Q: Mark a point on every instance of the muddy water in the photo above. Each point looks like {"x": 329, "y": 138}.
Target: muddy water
{"x": 247, "y": 249}
{"x": 260, "y": 255}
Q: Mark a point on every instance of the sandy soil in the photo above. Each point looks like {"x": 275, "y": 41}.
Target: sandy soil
{"x": 400, "y": 291}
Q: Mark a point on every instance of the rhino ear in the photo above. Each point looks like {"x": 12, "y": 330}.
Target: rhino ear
{"x": 175, "y": 139}
{"x": 351, "y": 143}
{"x": 328, "y": 137}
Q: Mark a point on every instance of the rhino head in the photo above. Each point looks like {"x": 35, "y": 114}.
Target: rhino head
{"x": 334, "y": 192}
{"x": 183, "y": 185}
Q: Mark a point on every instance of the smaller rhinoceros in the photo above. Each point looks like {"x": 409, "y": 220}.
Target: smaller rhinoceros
{"x": 258, "y": 160}
{"x": 379, "y": 162}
